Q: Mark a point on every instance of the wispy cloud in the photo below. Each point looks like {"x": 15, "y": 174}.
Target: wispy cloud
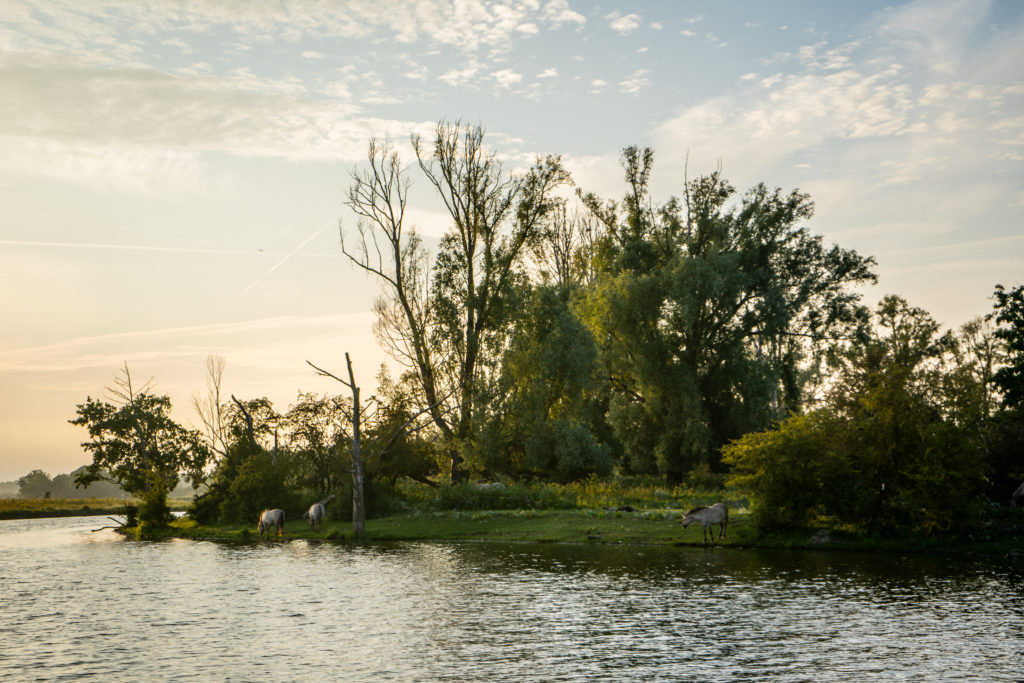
{"x": 506, "y": 78}
{"x": 623, "y": 24}
{"x": 147, "y": 346}
{"x": 558, "y": 12}
{"x": 636, "y": 82}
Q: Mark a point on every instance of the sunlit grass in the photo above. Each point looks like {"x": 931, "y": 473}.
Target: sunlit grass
{"x": 23, "y": 508}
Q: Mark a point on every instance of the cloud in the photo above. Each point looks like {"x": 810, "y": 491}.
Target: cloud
{"x": 146, "y": 346}
{"x": 558, "y": 12}
{"x": 96, "y": 31}
{"x": 506, "y": 78}
{"x": 462, "y": 77}
{"x": 635, "y": 83}
{"x": 623, "y": 24}
{"x": 548, "y": 73}
{"x": 138, "y": 128}
{"x": 597, "y": 85}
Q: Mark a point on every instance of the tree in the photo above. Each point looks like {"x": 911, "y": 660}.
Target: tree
{"x": 239, "y": 489}
{"x": 314, "y": 432}
{"x": 134, "y": 442}
{"x": 1007, "y": 425}
{"x": 708, "y": 316}
{"x": 35, "y": 484}
{"x": 212, "y": 407}
{"x": 888, "y": 450}
{"x": 445, "y": 323}
{"x": 1009, "y": 311}
{"x": 364, "y": 449}
{"x": 542, "y": 423}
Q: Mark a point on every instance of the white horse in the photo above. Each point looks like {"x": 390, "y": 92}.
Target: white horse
{"x": 269, "y": 518}
{"x": 316, "y": 515}
{"x": 317, "y": 512}
{"x": 708, "y": 516}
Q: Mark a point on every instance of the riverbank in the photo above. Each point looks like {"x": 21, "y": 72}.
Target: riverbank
{"x": 32, "y": 508}
{"x": 589, "y": 526}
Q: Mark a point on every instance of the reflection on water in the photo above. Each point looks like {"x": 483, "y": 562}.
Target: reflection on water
{"x": 75, "y": 604}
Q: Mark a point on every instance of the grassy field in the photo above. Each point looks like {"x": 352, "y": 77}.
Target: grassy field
{"x": 622, "y": 511}
{"x": 28, "y": 508}
{"x": 589, "y": 526}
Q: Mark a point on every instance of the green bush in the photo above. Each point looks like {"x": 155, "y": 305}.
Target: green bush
{"x": 153, "y": 508}
{"x": 498, "y": 497}
{"x": 789, "y": 471}
{"x": 876, "y": 472}
{"x": 260, "y": 484}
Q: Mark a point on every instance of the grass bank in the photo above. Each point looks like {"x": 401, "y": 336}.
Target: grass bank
{"x": 653, "y": 527}
{"x": 29, "y": 508}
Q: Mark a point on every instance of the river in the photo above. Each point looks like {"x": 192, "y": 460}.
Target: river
{"x": 77, "y": 605}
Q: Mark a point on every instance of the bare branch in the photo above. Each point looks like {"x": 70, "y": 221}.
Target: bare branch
{"x": 325, "y": 373}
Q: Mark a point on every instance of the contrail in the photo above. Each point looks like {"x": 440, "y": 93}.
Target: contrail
{"x": 288, "y": 256}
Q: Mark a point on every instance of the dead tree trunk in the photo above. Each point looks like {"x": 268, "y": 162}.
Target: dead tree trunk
{"x": 375, "y": 448}
{"x": 358, "y": 503}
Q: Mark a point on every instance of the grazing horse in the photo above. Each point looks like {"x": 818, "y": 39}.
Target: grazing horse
{"x": 269, "y": 518}
{"x": 317, "y": 512}
{"x": 316, "y": 516}
{"x": 708, "y": 516}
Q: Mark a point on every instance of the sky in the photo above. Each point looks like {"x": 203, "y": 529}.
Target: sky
{"x": 173, "y": 172}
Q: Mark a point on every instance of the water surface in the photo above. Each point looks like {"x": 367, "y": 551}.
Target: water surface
{"x": 81, "y": 605}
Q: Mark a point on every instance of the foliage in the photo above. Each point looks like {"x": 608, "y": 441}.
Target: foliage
{"x": 153, "y": 509}
{"x": 35, "y": 484}
{"x": 250, "y": 425}
{"x": 260, "y": 483}
{"x": 883, "y": 454}
{"x": 450, "y": 334}
{"x": 136, "y": 443}
{"x": 39, "y": 484}
{"x": 708, "y": 315}
{"x": 470, "y": 496}
{"x": 315, "y": 434}
{"x": 1009, "y": 308}
{"x": 541, "y": 424}
{"x": 791, "y": 471}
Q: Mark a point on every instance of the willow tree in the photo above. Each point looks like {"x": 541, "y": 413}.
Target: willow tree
{"x": 444, "y": 319}
{"x": 707, "y": 312}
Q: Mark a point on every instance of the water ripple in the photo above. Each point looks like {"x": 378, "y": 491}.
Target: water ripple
{"x": 83, "y": 606}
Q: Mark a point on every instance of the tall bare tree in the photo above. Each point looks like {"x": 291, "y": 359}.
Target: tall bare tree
{"x": 211, "y": 409}
{"x": 444, "y": 320}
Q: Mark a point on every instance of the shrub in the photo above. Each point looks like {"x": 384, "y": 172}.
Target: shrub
{"x": 153, "y": 508}
{"x": 789, "y": 471}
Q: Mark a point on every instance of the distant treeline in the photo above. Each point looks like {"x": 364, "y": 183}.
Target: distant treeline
{"x": 39, "y": 484}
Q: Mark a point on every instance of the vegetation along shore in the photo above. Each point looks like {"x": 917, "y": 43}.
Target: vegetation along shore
{"x": 554, "y": 342}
